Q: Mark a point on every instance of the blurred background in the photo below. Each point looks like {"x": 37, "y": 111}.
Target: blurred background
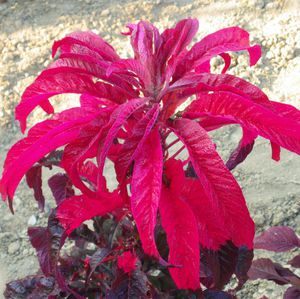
{"x": 27, "y": 31}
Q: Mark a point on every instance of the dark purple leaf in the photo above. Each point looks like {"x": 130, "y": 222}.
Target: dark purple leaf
{"x": 278, "y": 239}
{"x": 97, "y": 258}
{"x": 295, "y": 262}
{"x": 47, "y": 242}
{"x": 34, "y": 181}
{"x": 265, "y": 269}
{"x": 30, "y": 287}
{"x": 244, "y": 261}
{"x": 135, "y": 285}
{"x": 61, "y": 187}
{"x": 292, "y": 293}
{"x": 218, "y": 266}
{"x": 212, "y": 294}
{"x": 53, "y": 158}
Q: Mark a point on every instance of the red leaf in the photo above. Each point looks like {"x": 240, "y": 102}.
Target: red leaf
{"x": 42, "y": 139}
{"x": 227, "y": 39}
{"x": 146, "y": 189}
{"x": 135, "y": 141}
{"x": 180, "y": 225}
{"x": 218, "y": 183}
{"x": 118, "y": 119}
{"x": 279, "y": 129}
{"x": 75, "y": 210}
{"x": 277, "y": 239}
{"x": 80, "y": 41}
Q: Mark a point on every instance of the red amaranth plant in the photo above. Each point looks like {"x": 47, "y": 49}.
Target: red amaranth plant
{"x": 173, "y": 186}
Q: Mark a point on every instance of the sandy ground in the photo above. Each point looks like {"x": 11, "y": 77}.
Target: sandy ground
{"x": 27, "y": 30}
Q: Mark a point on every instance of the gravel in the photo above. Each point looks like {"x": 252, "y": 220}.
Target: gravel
{"x": 27, "y": 31}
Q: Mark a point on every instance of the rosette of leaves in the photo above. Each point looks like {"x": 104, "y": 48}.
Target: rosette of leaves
{"x": 131, "y": 114}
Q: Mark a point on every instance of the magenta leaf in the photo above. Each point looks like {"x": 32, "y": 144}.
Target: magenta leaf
{"x": 279, "y": 129}
{"x": 76, "y": 209}
{"x": 218, "y": 183}
{"x": 118, "y": 119}
{"x": 146, "y": 189}
{"x": 82, "y": 42}
{"x": 133, "y": 144}
{"x": 61, "y": 187}
{"x": 224, "y": 40}
{"x": 180, "y": 225}
{"x": 34, "y": 181}
{"x": 278, "y": 239}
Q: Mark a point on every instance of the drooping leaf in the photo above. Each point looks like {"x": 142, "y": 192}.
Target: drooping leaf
{"x": 34, "y": 181}
{"x": 277, "y": 239}
{"x": 61, "y": 187}
{"x": 264, "y": 268}
{"x": 279, "y": 129}
{"x": 76, "y": 209}
{"x": 121, "y": 114}
{"x": 243, "y": 149}
{"x": 132, "y": 145}
{"x": 218, "y": 183}
{"x": 42, "y": 139}
{"x": 88, "y": 40}
{"x": 146, "y": 190}
{"x": 47, "y": 242}
{"x": 180, "y": 225}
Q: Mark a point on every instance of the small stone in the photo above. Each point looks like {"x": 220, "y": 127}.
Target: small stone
{"x": 105, "y": 13}
{"x": 32, "y": 220}
{"x": 13, "y": 247}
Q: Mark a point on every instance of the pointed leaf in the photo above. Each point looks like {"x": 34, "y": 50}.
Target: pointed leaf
{"x": 180, "y": 225}
{"x": 295, "y": 261}
{"x": 277, "y": 239}
{"x": 265, "y": 269}
{"x": 34, "y": 181}
{"x": 47, "y": 243}
{"x": 75, "y": 210}
{"x": 279, "y": 129}
{"x": 224, "y": 40}
{"x": 146, "y": 189}
{"x": 118, "y": 119}
{"x": 61, "y": 187}
{"x": 135, "y": 141}
{"x": 218, "y": 183}
{"x": 42, "y": 139}
{"x": 88, "y": 40}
